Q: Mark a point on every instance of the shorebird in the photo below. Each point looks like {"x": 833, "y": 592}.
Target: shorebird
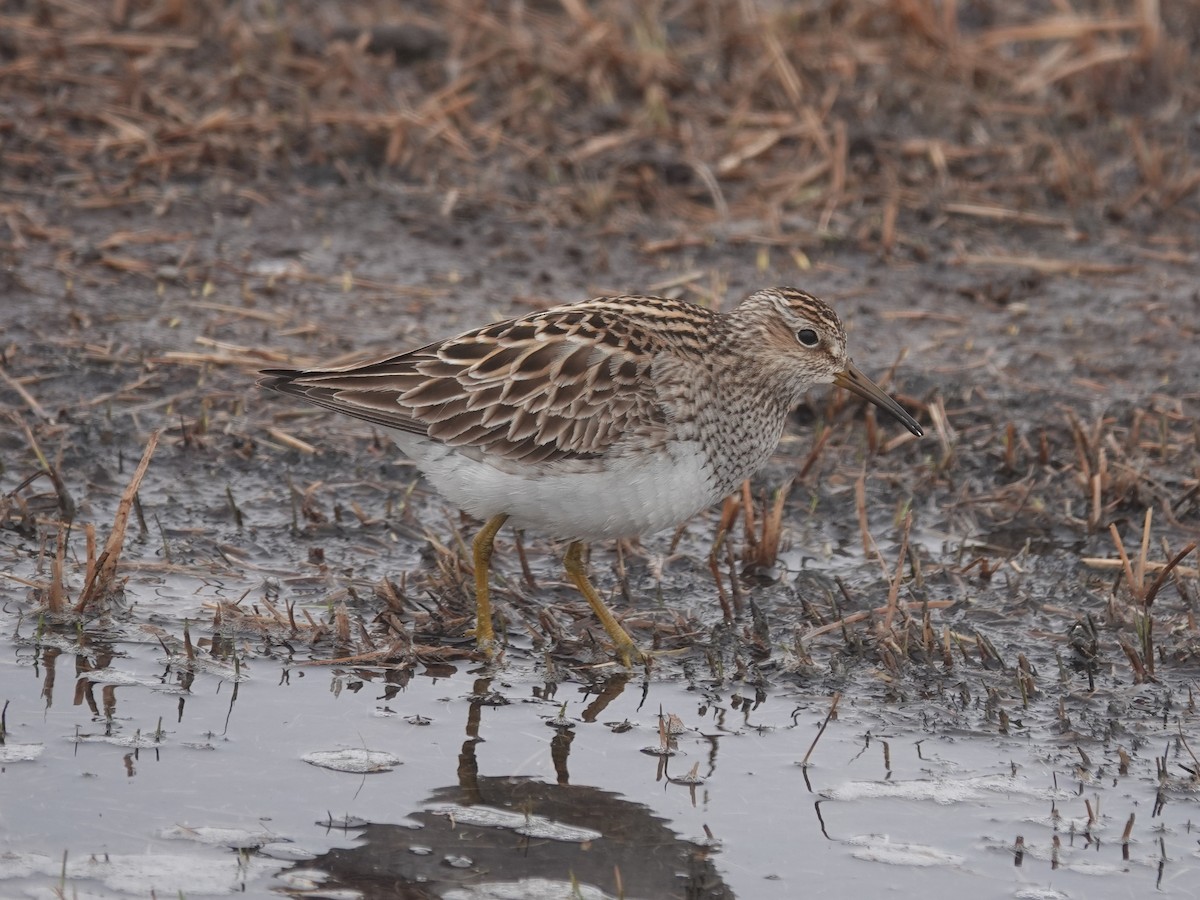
{"x": 610, "y": 418}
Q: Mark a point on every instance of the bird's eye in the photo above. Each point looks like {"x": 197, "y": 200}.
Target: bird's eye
{"x": 808, "y": 337}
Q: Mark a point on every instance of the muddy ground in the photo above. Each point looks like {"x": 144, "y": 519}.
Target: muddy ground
{"x": 1056, "y": 405}
{"x": 1016, "y": 261}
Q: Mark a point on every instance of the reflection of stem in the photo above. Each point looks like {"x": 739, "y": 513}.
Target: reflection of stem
{"x": 560, "y": 750}
{"x": 713, "y": 745}
{"x": 49, "y": 657}
{"x": 1183, "y": 740}
{"x": 109, "y": 693}
{"x": 832, "y": 709}
{"x": 83, "y": 694}
{"x": 232, "y": 699}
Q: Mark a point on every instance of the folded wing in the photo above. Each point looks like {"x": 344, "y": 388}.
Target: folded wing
{"x": 555, "y": 385}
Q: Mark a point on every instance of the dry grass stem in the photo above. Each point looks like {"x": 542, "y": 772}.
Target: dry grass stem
{"x": 103, "y": 581}
{"x": 762, "y": 548}
{"x": 897, "y": 577}
{"x": 860, "y": 508}
{"x": 37, "y": 409}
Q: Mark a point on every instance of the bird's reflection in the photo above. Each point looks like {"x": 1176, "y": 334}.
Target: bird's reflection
{"x": 469, "y": 837}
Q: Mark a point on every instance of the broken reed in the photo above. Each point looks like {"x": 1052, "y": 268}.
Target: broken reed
{"x": 102, "y": 580}
{"x": 1142, "y": 594}
{"x": 100, "y": 576}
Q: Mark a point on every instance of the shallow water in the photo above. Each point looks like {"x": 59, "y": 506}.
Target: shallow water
{"x": 148, "y": 776}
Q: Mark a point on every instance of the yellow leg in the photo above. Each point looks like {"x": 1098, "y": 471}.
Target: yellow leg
{"x": 481, "y": 550}
{"x": 627, "y": 651}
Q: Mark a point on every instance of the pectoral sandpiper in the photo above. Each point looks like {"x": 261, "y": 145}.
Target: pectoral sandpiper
{"x": 610, "y": 418}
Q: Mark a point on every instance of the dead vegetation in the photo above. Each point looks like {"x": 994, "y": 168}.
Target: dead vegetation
{"x": 100, "y": 578}
{"x": 869, "y": 119}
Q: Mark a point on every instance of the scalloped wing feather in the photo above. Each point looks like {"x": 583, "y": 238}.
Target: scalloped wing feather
{"x": 555, "y": 385}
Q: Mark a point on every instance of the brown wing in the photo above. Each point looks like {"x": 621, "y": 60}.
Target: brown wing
{"x": 554, "y": 385}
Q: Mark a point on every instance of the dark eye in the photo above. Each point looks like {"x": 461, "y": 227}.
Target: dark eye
{"x": 808, "y": 337}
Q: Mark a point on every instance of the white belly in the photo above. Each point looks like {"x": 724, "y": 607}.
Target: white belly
{"x": 633, "y": 496}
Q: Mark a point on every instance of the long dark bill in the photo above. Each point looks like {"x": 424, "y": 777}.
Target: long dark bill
{"x": 853, "y": 380}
